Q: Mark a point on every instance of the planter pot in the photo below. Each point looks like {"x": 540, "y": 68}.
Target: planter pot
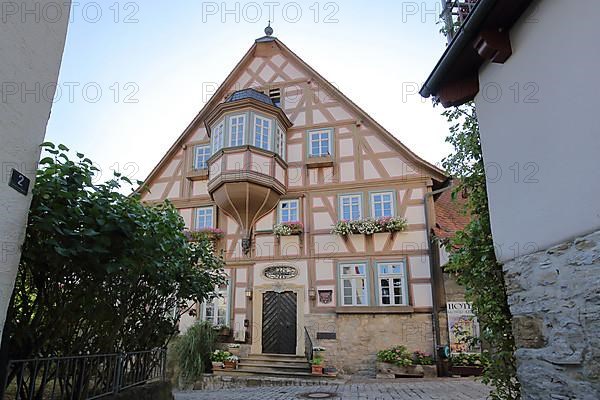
{"x": 330, "y": 371}
{"x": 317, "y": 370}
{"x": 217, "y": 365}
{"x": 466, "y": 370}
{"x": 230, "y": 364}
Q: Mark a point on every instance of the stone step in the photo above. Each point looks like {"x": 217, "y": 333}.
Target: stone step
{"x": 269, "y": 363}
{"x": 267, "y": 372}
{"x": 276, "y": 357}
{"x": 268, "y": 368}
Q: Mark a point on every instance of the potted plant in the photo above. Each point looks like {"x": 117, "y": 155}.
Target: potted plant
{"x": 317, "y": 365}
{"x": 231, "y": 362}
{"x": 468, "y": 364}
{"x": 218, "y": 357}
{"x": 234, "y": 349}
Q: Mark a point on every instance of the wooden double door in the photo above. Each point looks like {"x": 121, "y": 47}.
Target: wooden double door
{"x": 279, "y": 322}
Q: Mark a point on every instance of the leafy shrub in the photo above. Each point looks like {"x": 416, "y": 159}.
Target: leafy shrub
{"x": 470, "y": 359}
{"x": 422, "y": 358}
{"x": 194, "y": 350}
{"x": 397, "y": 355}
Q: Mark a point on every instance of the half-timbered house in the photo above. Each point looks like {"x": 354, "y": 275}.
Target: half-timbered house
{"x": 280, "y": 146}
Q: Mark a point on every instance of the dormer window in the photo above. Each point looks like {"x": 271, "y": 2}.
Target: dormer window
{"x": 218, "y": 137}
{"x": 320, "y": 143}
{"x": 236, "y": 130}
{"x": 262, "y": 133}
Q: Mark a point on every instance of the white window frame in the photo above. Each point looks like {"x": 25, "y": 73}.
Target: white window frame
{"x": 374, "y": 202}
{"x": 218, "y": 136}
{"x": 296, "y": 202}
{"x": 196, "y": 154}
{"x": 390, "y": 277}
{"x": 312, "y": 139}
{"x": 201, "y": 211}
{"x": 221, "y": 301}
{"x": 281, "y": 142}
{"x": 255, "y": 132}
{"x": 351, "y": 197}
{"x": 354, "y": 280}
{"x": 239, "y": 141}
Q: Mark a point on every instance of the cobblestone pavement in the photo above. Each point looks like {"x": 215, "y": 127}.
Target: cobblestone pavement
{"x": 442, "y": 389}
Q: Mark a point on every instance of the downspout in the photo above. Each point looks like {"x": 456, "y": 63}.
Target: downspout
{"x": 432, "y": 272}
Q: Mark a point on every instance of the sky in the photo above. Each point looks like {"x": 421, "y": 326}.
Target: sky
{"x": 134, "y": 74}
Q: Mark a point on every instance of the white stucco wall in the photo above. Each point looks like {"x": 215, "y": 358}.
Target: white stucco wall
{"x": 548, "y": 130}
{"x": 31, "y": 48}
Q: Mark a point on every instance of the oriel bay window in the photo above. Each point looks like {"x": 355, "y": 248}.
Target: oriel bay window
{"x": 204, "y": 218}
{"x": 353, "y": 284}
{"x": 218, "y": 137}
{"x": 262, "y": 133}
{"x": 216, "y": 311}
{"x": 236, "y": 130}
{"x": 391, "y": 282}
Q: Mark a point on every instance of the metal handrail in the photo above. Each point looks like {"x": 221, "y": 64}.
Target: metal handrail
{"x": 308, "y": 346}
{"x": 84, "y": 377}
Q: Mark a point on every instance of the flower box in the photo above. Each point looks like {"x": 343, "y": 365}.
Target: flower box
{"x": 369, "y": 226}
{"x": 217, "y": 365}
{"x": 288, "y": 229}
{"x": 213, "y": 234}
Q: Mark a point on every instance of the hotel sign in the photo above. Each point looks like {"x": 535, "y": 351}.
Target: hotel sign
{"x": 280, "y": 272}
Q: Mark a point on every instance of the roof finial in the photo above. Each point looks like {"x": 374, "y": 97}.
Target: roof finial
{"x": 268, "y": 29}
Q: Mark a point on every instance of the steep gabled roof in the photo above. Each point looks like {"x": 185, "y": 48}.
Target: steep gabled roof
{"x": 449, "y": 214}
{"x": 221, "y": 93}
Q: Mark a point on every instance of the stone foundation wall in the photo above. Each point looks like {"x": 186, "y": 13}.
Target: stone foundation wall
{"x": 360, "y": 336}
{"x": 554, "y": 296}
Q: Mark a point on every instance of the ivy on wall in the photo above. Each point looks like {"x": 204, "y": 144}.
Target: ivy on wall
{"x": 472, "y": 257}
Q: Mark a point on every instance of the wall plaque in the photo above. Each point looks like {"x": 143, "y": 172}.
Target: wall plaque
{"x": 280, "y": 272}
{"x": 19, "y": 182}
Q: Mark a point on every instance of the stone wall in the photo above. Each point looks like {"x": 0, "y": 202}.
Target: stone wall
{"x": 554, "y": 296}
{"x": 360, "y": 336}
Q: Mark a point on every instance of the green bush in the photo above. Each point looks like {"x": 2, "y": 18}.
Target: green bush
{"x": 397, "y": 355}
{"x": 194, "y": 349}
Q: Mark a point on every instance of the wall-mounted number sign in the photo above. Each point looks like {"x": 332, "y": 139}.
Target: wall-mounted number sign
{"x": 19, "y": 182}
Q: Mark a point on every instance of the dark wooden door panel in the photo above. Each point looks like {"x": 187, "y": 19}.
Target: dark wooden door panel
{"x": 279, "y": 322}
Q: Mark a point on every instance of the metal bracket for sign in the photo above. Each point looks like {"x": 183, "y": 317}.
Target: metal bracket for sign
{"x": 19, "y": 182}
